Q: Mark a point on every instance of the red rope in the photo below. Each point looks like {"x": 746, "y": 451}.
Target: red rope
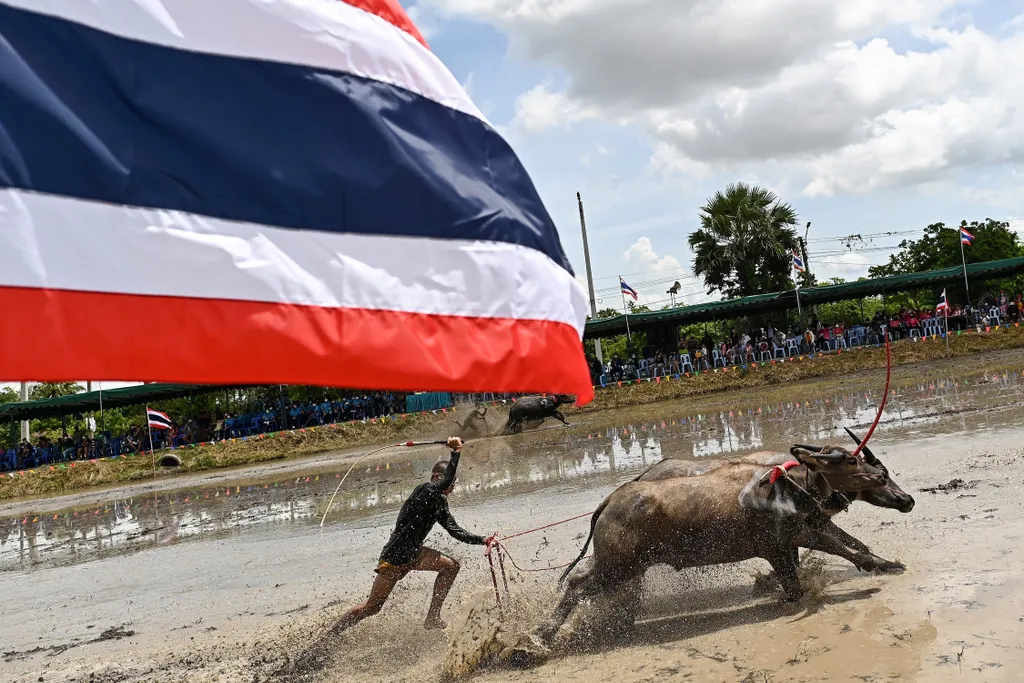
{"x": 885, "y": 395}
{"x": 547, "y": 526}
{"x": 542, "y": 569}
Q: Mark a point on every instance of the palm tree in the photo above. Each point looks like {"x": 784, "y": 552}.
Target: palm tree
{"x": 744, "y": 243}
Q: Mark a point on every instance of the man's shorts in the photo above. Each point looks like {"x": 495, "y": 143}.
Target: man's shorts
{"x": 408, "y": 566}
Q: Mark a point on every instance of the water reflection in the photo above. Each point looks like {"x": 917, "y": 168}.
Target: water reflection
{"x": 498, "y": 466}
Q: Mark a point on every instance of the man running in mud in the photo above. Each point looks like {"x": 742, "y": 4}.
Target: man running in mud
{"x": 405, "y": 552}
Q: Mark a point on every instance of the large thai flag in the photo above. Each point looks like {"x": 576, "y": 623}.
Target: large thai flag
{"x": 264, "y": 191}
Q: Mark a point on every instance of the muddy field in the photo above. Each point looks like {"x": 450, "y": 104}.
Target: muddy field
{"x": 223, "y": 577}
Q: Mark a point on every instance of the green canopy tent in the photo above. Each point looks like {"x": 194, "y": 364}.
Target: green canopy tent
{"x": 809, "y": 296}
{"x": 76, "y": 404}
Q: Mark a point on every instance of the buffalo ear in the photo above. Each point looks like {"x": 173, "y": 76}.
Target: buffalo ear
{"x": 816, "y": 460}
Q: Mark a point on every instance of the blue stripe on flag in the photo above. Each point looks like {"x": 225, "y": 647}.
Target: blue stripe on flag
{"x": 95, "y": 116}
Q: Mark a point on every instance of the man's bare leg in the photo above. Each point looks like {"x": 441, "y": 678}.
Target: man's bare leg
{"x": 447, "y": 569}
{"x": 383, "y": 584}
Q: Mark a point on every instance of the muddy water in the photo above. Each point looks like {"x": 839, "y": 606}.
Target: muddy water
{"x": 206, "y": 582}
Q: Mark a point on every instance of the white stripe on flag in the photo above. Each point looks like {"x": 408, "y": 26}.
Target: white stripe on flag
{"x": 170, "y": 253}
{"x": 328, "y": 34}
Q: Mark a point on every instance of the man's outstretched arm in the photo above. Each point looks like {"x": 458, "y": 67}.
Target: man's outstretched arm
{"x": 446, "y": 520}
{"x": 448, "y": 478}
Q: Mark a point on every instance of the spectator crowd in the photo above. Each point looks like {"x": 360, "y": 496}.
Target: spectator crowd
{"x": 769, "y": 343}
{"x": 86, "y": 444}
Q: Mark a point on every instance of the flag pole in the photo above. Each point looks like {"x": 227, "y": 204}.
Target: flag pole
{"x": 152, "y": 454}
{"x": 625, "y": 312}
{"x": 963, "y": 260}
{"x": 945, "y": 314}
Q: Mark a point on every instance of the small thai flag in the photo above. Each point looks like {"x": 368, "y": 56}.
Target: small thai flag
{"x": 626, "y": 289}
{"x": 943, "y": 304}
{"x": 965, "y": 237}
{"x": 158, "y": 420}
{"x": 798, "y": 263}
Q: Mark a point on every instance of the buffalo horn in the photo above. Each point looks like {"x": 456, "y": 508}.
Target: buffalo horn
{"x": 868, "y": 455}
{"x": 831, "y": 457}
{"x": 812, "y": 449}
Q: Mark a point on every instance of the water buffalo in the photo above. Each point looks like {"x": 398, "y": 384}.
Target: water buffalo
{"x": 474, "y": 423}
{"x": 536, "y": 409}
{"x": 730, "y": 514}
{"x": 888, "y": 496}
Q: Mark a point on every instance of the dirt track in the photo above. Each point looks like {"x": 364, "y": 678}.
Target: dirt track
{"x": 201, "y": 585}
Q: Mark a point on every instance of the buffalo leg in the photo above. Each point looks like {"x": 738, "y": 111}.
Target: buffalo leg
{"x": 581, "y": 586}
{"x": 561, "y": 418}
{"x": 833, "y": 530}
{"x": 627, "y": 605}
{"x": 816, "y": 540}
{"x": 786, "y": 571}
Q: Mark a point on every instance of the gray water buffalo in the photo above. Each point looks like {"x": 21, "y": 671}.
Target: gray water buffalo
{"x": 536, "y": 409}
{"x": 888, "y": 496}
{"x": 733, "y": 513}
{"x": 475, "y": 423}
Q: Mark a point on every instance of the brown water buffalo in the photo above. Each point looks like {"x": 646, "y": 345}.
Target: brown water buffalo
{"x": 730, "y": 514}
{"x": 888, "y": 496}
{"x": 536, "y": 409}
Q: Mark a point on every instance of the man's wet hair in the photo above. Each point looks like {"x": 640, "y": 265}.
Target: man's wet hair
{"x": 440, "y": 467}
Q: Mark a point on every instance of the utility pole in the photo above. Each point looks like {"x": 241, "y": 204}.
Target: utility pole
{"x": 24, "y": 423}
{"x": 590, "y": 278}
{"x": 803, "y": 249}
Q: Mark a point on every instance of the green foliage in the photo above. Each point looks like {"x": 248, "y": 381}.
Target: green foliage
{"x": 744, "y": 244}
{"x": 939, "y": 247}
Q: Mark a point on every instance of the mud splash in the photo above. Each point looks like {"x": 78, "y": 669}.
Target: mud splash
{"x": 235, "y": 597}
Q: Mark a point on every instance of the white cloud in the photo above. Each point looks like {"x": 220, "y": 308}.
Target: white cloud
{"x": 539, "y": 109}
{"x": 817, "y": 87}
{"x": 420, "y": 15}
{"x": 467, "y": 84}
{"x": 640, "y": 257}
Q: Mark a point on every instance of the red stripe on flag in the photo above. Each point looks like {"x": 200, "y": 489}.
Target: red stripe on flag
{"x": 392, "y": 12}
{"x": 213, "y": 341}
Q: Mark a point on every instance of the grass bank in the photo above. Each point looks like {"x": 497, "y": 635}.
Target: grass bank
{"x": 254, "y": 450}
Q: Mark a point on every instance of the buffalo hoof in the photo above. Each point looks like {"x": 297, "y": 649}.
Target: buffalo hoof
{"x": 888, "y": 567}
{"x": 528, "y": 651}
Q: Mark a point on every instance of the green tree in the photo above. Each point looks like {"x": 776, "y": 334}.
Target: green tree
{"x": 939, "y": 247}
{"x": 745, "y": 241}
{"x": 54, "y": 390}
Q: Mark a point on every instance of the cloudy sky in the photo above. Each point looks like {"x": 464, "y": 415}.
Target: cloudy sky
{"x": 868, "y": 116}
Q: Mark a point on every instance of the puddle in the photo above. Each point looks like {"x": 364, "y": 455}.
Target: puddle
{"x": 580, "y": 456}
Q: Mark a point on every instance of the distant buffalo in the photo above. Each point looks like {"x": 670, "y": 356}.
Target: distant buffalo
{"x": 536, "y": 409}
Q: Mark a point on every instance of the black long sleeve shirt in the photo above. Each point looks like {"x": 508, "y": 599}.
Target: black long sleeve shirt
{"x": 426, "y": 506}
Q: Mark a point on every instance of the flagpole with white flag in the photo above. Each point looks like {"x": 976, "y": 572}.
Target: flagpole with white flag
{"x": 944, "y": 303}
{"x": 149, "y": 430}
{"x": 625, "y": 312}
{"x": 963, "y": 260}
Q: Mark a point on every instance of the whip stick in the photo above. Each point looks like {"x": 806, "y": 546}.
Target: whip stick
{"x": 366, "y": 455}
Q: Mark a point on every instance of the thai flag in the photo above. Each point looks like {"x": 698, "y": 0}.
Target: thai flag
{"x": 291, "y": 191}
{"x": 627, "y": 290}
{"x": 965, "y": 237}
{"x": 798, "y": 263}
{"x": 943, "y": 304}
{"x": 158, "y": 420}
